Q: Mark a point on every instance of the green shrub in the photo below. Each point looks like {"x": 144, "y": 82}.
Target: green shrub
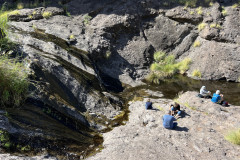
{"x": 183, "y": 66}
{"x": 196, "y": 73}
{"x": 233, "y": 137}
{"x": 166, "y": 66}
{"x": 5, "y": 44}
{"x": 13, "y": 82}
{"x": 46, "y": 14}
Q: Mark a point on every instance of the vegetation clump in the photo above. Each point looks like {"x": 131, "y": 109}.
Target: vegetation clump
{"x": 5, "y": 139}
{"x": 233, "y": 137}
{"x": 235, "y": 5}
{"x": 20, "y": 6}
{"x": 201, "y": 26}
{"x": 214, "y": 25}
{"x": 46, "y": 14}
{"x": 13, "y": 82}
{"x": 197, "y": 44}
{"x": 199, "y": 10}
{"x": 196, "y": 73}
{"x": 165, "y": 66}
{"x": 87, "y": 19}
{"x": 224, "y": 12}
{"x": 13, "y": 74}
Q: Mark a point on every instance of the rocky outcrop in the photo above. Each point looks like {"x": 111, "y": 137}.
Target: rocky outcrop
{"x": 84, "y": 54}
{"x": 199, "y": 135}
{"x": 121, "y": 41}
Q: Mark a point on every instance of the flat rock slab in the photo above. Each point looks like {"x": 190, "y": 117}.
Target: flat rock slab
{"x": 199, "y": 135}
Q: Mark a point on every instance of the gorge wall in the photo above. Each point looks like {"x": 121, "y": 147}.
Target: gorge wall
{"x": 85, "y": 52}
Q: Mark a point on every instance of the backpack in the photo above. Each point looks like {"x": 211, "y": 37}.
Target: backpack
{"x": 225, "y": 103}
{"x": 199, "y": 95}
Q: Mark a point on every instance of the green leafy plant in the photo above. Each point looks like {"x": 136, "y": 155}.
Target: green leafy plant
{"x": 196, "y": 73}
{"x": 233, "y": 136}
{"x": 165, "y": 66}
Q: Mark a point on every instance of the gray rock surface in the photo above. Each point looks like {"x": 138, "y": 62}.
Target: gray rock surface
{"x": 122, "y": 40}
{"x": 11, "y": 157}
{"x": 199, "y": 135}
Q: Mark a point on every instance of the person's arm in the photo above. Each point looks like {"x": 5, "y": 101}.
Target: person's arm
{"x": 174, "y": 119}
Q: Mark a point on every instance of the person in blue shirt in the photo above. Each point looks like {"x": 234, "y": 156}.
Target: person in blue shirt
{"x": 175, "y": 110}
{"x": 217, "y": 97}
{"x": 148, "y": 104}
{"x": 168, "y": 121}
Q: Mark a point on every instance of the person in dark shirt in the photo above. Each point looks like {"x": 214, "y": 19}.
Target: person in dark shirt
{"x": 148, "y": 104}
{"x": 168, "y": 122}
{"x": 175, "y": 110}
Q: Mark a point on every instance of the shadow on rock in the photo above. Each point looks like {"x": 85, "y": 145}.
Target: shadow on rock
{"x": 185, "y": 129}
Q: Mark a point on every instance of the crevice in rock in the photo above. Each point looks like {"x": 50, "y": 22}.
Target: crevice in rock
{"x": 185, "y": 20}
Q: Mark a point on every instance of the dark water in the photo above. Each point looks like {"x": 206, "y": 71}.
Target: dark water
{"x": 172, "y": 87}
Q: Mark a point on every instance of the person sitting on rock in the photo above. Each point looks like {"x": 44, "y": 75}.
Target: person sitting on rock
{"x": 168, "y": 121}
{"x": 217, "y": 97}
{"x": 175, "y": 110}
{"x": 148, "y": 104}
{"x": 204, "y": 93}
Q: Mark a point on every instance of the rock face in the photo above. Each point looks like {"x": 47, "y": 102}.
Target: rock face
{"x": 85, "y": 52}
{"x": 121, "y": 40}
{"x": 199, "y": 135}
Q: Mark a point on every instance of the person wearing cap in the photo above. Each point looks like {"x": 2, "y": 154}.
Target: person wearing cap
{"x": 217, "y": 97}
{"x": 204, "y": 93}
{"x": 148, "y": 104}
